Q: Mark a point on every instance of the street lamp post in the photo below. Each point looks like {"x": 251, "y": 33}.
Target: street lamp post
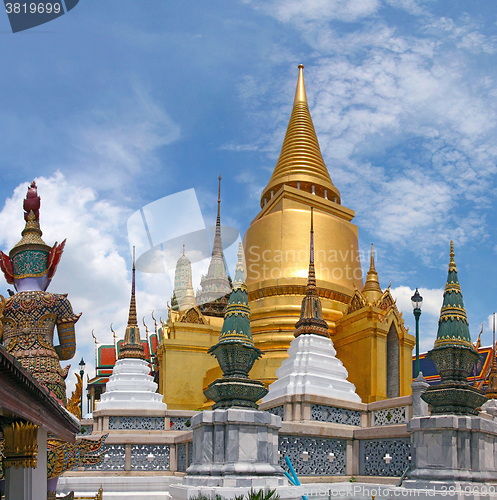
{"x": 81, "y": 373}
{"x": 417, "y": 301}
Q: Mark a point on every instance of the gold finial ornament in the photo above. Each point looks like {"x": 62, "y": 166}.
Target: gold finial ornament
{"x": 300, "y": 95}
{"x": 31, "y": 235}
{"x": 452, "y": 263}
{"x": 301, "y": 163}
{"x": 20, "y": 445}
{"x": 372, "y": 290}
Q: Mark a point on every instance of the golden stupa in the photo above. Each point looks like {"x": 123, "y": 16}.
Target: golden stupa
{"x": 276, "y": 250}
{"x": 276, "y": 243}
{"x": 363, "y": 321}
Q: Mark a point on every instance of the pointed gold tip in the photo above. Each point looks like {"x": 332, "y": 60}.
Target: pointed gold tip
{"x": 312, "y": 219}
{"x": 300, "y": 95}
{"x": 371, "y": 265}
{"x": 133, "y": 257}
{"x": 452, "y": 262}
{"x": 372, "y": 290}
{"x": 300, "y": 164}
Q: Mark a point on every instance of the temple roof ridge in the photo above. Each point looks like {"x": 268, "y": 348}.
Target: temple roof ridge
{"x": 301, "y": 163}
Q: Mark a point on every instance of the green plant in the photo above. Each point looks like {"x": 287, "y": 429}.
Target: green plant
{"x": 201, "y": 496}
{"x": 262, "y": 495}
{"x": 252, "y": 495}
{"x": 352, "y": 479}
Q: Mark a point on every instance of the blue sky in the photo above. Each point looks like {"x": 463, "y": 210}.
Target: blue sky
{"x": 118, "y": 104}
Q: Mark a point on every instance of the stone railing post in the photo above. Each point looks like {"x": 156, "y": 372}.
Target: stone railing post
{"x": 419, "y": 386}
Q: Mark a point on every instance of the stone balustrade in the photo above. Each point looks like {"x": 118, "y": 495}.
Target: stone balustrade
{"x": 324, "y": 438}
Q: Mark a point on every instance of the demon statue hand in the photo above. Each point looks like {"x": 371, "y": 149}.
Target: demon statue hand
{"x": 31, "y": 314}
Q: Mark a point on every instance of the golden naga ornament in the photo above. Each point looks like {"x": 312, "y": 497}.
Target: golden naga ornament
{"x": 63, "y": 456}
{"x": 74, "y": 403}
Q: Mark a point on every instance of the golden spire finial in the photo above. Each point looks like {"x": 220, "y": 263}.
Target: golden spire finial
{"x": 300, "y": 162}
{"x": 371, "y": 265}
{"x": 372, "y": 290}
{"x": 300, "y": 95}
{"x": 452, "y": 263}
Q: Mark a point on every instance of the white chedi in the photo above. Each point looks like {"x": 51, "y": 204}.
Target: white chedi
{"x": 131, "y": 387}
{"x": 312, "y": 368}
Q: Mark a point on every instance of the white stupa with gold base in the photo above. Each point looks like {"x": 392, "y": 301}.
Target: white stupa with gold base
{"x": 312, "y": 367}
{"x": 131, "y": 386}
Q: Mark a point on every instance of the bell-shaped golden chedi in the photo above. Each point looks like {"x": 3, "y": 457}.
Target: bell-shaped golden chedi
{"x": 300, "y": 163}
{"x": 277, "y": 248}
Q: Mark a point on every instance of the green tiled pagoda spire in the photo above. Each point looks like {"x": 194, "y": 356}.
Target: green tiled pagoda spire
{"x": 236, "y": 326}
{"x": 453, "y": 355}
{"x": 235, "y": 352}
{"x": 453, "y": 326}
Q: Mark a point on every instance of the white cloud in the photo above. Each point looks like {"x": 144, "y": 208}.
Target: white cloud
{"x": 300, "y": 11}
{"x": 414, "y": 7}
{"x": 120, "y": 142}
{"x": 239, "y": 147}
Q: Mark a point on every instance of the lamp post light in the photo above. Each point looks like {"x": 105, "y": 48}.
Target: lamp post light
{"x": 417, "y": 301}
{"x": 81, "y": 373}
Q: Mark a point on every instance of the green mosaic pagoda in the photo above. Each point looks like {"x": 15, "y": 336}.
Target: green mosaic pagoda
{"x": 453, "y": 355}
{"x": 235, "y": 352}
